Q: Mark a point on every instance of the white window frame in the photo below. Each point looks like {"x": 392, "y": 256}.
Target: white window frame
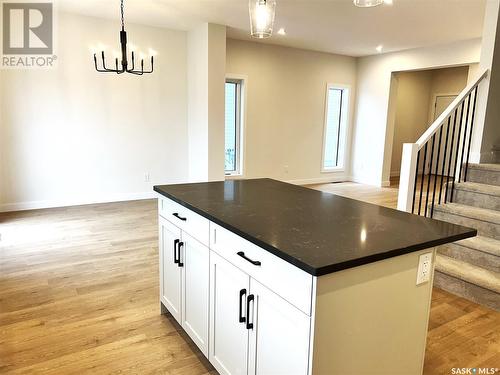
{"x": 240, "y": 125}
{"x": 344, "y": 128}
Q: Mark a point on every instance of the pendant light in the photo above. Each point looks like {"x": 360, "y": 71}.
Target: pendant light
{"x": 261, "y": 17}
{"x": 123, "y": 67}
{"x": 367, "y": 3}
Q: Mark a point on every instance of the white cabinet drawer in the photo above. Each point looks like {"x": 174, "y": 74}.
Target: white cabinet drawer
{"x": 283, "y": 278}
{"x": 185, "y": 219}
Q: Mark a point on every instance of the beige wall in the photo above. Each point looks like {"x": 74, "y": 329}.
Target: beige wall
{"x": 414, "y": 112}
{"x": 373, "y": 127}
{"x": 286, "y": 90}
{"x": 411, "y": 112}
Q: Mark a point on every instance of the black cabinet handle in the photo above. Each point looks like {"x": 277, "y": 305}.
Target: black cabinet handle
{"x": 242, "y": 319}
{"x": 250, "y": 298}
{"x": 179, "y": 216}
{"x": 176, "y": 242}
{"x": 179, "y": 263}
{"x": 254, "y": 262}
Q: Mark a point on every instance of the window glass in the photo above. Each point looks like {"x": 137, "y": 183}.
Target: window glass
{"x": 230, "y": 132}
{"x": 333, "y": 128}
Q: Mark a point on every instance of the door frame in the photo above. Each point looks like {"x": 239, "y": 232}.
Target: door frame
{"x": 432, "y": 112}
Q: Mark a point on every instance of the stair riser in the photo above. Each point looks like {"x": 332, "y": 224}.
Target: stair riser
{"x": 467, "y": 290}
{"x": 475, "y": 257}
{"x": 471, "y": 198}
{"x": 484, "y": 228}
{"x": 483, "y": 176}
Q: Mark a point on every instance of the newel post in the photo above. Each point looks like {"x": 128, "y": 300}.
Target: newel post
{"x": 407, "y": 176}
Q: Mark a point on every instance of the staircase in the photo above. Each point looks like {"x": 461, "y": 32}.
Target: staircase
{"x": 437, "y": 181}
{"x": 471, "y": 268}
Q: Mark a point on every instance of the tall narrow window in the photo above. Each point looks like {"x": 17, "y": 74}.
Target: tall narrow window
{"x": 335, "y": 128}
{"x": 232, "y": 144}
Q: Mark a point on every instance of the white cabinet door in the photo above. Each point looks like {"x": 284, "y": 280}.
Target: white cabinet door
{"x": 228, "y": 333}
{"x": 195, "y": 281}
{"x": 170, "y": 272}
{"x": 279, "y": 340}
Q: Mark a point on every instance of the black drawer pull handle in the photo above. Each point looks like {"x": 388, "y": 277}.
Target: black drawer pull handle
{"x": 254, "y": 262}
{"x": 242, "y": 319}
{"x": 250, "y": 298}
{"x": 179, "y": 216}
{"x": 179, "y": 263}
{"x": 176, "y": 242}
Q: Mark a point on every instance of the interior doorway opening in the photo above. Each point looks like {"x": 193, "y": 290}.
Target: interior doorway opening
{"x": 417, "y": 99}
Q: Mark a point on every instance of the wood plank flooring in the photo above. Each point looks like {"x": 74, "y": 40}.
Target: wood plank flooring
{"x": 79, "y": 295}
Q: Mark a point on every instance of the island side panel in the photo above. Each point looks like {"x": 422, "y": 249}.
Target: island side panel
{"x": 372, "y": 318}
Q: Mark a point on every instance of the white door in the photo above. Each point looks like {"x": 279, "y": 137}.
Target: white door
{"x": 195, "y": 262}
{"x": 170, "y": 272}
{"x": 279, "y": 340}
{"x": 442, "y": 102}
{"x": 228, "y": 333}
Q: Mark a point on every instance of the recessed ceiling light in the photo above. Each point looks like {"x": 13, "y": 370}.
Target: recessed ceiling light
{"x": 379, "y": 48}
{"x": 282, "y": 31}
{"x": 367, "y": 3}
{"x": 388, "y": 2}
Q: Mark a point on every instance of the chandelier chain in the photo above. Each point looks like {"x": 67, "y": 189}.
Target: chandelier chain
{"x": 121, "y": 10}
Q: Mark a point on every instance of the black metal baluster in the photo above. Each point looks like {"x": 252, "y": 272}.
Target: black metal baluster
{"x": 415, "y": 184}
{"x": 436, "y": 169}
{"x": 470, "y": 135}
{"x": 451, "y": 155}
{"x": 465, "y": 138}
{"x": 422, "y": 181}
{"x": 429, "y": 177}
{"x": 458, "y": 151}
{"x": 444, "y": 158}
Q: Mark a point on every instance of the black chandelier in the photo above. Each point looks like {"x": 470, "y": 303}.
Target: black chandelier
{"x": 124, "y": 63}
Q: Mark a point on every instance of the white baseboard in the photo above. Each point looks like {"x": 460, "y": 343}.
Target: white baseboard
{"x": 385, "y": 183}
{"x": 33, "y": 205}
{"x": 361, "y": 180}
{"x": 319, "y": 180}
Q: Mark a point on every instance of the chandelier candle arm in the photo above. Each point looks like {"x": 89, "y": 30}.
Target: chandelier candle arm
{"x": 124, "y": 61}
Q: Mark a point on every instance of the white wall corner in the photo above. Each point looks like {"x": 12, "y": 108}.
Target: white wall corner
{"x": 206, "y": 77}
{"x": 486, "y": 130}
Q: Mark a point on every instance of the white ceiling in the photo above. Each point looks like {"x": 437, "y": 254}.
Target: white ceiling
{"x": 335, "y": 26}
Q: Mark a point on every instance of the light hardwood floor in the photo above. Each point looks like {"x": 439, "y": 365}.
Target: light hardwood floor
{"x": 79, "y": 295}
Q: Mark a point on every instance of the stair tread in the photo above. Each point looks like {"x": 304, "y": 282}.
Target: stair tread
{"x": 471, "y": 212}
{"x": 485, "y": 244}
{"x": 479, "y": 188}
{"x": 485, "y": 166}
{"x": 472, "y": 274}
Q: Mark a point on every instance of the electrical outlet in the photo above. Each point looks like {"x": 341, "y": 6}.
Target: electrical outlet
{"x": 285, "y": 168}
{"x": 146, "y": 177}
{"x": 424, "y": 268}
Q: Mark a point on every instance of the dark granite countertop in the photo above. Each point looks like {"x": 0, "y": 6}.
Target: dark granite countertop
{"x": 316, "y": 231}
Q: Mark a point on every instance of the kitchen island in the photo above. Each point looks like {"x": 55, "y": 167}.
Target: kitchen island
{"x": 272, "y": 278}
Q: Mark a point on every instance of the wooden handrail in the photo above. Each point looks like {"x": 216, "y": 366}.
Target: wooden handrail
{"x": 449, "y": 110}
